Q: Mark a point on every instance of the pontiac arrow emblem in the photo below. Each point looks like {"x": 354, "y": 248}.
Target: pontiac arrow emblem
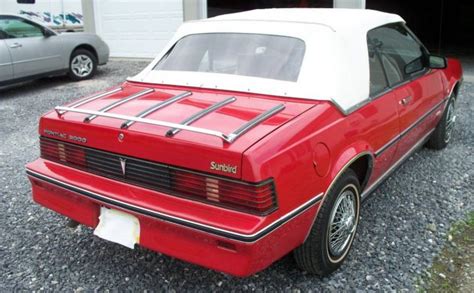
{"x": 123, "y": 164}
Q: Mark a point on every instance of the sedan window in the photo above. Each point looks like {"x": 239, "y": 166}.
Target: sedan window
{"x": 400, "y": 52}
{"x": 18, "y": 28}
{"x": 265, "y": 56}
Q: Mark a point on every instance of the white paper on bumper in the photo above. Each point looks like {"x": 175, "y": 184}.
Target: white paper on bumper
{"x": 118, "y": 227}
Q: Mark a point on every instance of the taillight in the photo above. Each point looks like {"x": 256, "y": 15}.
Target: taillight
{"x": 63, "y": 152}
{"x": 255, "y": 198}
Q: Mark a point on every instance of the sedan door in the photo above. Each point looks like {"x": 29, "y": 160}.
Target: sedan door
{"x": 6, "y": 71}
{"x": 34, "y": 49}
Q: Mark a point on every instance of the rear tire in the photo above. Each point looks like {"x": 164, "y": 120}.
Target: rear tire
{"x": 333, "y": 231}
{"x": 442, "y": 134}
{"x": 83, "y": 65}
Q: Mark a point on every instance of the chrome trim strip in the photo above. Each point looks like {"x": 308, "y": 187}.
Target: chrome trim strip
{"x": 218, "y": 134}
{"x": 177, "y": 220}
{"x": 387, "y": 173}
{"x": 387, "y": 145}
{"x": 419, "y": 120}
{"x": 409, "y": 128}
{"x": 157, "y": 107}
{"x": 95, "y": 97}
{"x": 255, "y": 121}
{"x": 201, "y": 114}
{"x": 344, "y": 168}
{"x": 120, "y": 102}
{"x": 352, "y": 108}
{"x": 381, "y": 93}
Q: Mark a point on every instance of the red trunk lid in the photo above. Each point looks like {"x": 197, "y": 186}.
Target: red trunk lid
{"x": 185, "y": 149}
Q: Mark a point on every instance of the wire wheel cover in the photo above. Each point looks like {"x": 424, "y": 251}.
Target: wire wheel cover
{"x": 450, "y": 122}
{"x": 342, "y": 223}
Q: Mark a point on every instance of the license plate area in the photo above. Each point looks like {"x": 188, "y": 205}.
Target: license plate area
{"x": 119, "y": 227}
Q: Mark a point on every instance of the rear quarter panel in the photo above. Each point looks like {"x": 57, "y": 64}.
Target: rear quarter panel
{"x": 288, "y": 154}
{"x": 71, "y": 41}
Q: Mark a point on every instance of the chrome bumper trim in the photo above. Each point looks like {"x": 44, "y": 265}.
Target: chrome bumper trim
{"x": 177, "y": 220}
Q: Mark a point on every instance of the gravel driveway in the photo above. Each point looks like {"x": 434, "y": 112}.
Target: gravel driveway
{"x": 403, "y": 225}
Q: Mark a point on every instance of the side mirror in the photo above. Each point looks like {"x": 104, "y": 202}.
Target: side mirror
{"x": 47, "y": 33}
{"x": 437, "y": 62}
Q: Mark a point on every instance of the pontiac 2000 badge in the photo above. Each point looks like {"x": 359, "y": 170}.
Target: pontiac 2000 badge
{"x": 250, "y": 136}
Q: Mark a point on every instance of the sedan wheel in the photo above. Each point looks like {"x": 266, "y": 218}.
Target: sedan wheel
{"x": 82, "y": 65}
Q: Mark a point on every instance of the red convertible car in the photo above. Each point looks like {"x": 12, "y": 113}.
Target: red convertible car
{"x": 250, "y": 136}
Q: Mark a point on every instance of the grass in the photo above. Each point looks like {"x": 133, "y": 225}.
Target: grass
{"x": 453, "y": 268}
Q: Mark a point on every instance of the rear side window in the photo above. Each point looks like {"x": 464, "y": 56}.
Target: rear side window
{"x": 400, "y": 53}
{"x": 378, "y": 80}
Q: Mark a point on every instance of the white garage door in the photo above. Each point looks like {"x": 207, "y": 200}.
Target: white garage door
{"x": 138, "y": 28}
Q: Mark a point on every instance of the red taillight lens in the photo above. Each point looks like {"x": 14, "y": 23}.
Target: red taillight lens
{"x": 63, "y": 152}
{"x": 255, "y": 198}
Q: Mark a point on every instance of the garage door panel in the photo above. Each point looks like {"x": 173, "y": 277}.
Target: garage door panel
{"x": 138, "y": 28}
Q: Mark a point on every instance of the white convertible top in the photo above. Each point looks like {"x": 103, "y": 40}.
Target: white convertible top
{"x": 335, "y": 66}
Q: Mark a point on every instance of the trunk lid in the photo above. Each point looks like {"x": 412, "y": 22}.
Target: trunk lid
{"x": 183, "y": 148}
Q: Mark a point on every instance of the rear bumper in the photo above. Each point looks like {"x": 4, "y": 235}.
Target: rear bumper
{"x": 236, "y": 253}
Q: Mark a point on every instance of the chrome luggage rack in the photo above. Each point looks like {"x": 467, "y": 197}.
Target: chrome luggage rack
{"x": 174, "y": 127}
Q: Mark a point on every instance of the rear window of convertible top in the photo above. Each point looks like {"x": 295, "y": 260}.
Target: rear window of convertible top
{"x": 257, "y": 55}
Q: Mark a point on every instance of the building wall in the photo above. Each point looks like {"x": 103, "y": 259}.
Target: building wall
{"x": 139, "y": 28}
{"x": 53, "y": 13}
{"x": 194, "y": 9}
{"x": 349, "y": 4}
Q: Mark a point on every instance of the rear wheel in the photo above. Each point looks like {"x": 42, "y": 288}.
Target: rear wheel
{"x": 83, "y": 65}
{"x": 333, "y": 232}
{"x": 442, "y": 134}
